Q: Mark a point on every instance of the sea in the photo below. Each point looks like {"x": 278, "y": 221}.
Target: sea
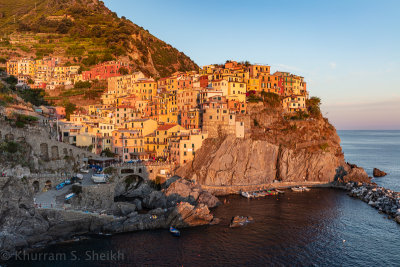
{"x": 323, "y": 227}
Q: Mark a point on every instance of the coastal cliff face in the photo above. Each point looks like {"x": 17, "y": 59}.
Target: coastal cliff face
{"x": 274, "y": 149}
{"x": 20, "y": 223}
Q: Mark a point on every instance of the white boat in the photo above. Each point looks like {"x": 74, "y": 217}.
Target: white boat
{"x": 247, "y": 195}
{"x": 84, "y": 170}
{"x": 69, "y": 196}
{"x": 300, "y": 189}
{"x": 80, "y": 176}
{"x": 99, "y": 178}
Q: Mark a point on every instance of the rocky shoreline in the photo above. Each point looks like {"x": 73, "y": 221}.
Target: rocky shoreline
{"x": 24, "y": 226}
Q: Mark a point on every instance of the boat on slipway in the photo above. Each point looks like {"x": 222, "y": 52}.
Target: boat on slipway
{"x": 259, "y": 193}
{"x": 300, "y": 189}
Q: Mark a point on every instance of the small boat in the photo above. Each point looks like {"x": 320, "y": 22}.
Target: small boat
{"x": 247, "y": 195}
{"x": 69, "y": 196}
{"x": 174, "y": 231}
{"x": 300, "y": 189}
{"x": 239, "y": 221}
{"x": 280, "y": 191}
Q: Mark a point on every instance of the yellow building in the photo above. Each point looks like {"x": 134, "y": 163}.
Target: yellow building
{"x": 256, "y": 70}
{"x": 172, "y": 84}
{"x": 144, "y": 126}
{"x": 237, "y": 91}
{"x": 221, "y": 85}
{"x": 184, "y": 147}
{"x": 27, "y": 67}
{"x": 187, "y": 99}
{"x": 12, "y": 67}
{"x": 127, "y": 144}
{"x": 145, "y": 90}
{"x": 253, "y": 84}
{"x": 157, "y": 142}
{"x": 294, "y": 103}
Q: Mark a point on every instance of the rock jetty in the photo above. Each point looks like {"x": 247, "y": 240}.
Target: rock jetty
{"x": 385, "y": 200}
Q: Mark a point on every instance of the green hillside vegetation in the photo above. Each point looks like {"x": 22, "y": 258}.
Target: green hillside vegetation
{"x": 84, "y": 32}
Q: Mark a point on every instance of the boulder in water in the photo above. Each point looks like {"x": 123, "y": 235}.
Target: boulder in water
{"x": 238, "y": 221}
{"x": 378, "y": 173}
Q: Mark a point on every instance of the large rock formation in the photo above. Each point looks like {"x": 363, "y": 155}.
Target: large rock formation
{"x": 274, "y": 149}
{"x": 186, "y": 191}
{"x": 20, "y": 223}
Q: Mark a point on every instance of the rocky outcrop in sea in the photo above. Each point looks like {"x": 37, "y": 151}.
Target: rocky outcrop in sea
{"x": 378, "y": 173}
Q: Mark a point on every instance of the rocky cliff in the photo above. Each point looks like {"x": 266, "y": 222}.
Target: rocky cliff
{"x": 276, "y": 149}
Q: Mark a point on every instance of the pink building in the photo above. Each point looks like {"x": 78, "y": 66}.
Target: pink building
{"x": 59, "y": 112}
{"x": 104, "y": 70}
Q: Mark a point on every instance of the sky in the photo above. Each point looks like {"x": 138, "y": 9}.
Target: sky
{"x": 347, "y": 50}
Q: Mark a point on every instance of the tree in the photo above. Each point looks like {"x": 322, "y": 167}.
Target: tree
{"x": 81, "y": 84}
{"x": 107, "y": 153}
{"x": 123, "y": 71}
{"x": 34, "y": 96}
{"x": 64, "y": 26}
{"x": 12, "y": 80}
{"x": 314, "y": 106}
{"x": 69, "y": 109}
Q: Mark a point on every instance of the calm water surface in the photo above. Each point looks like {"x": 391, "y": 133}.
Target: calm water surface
{"x": 323, "y": 227}
{"x": 374, "y": 149}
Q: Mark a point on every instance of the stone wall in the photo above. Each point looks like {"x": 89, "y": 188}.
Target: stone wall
{"x": 95, "y": 197}
{"x": 146, "y": 172}
{"x": 53, "y": 155}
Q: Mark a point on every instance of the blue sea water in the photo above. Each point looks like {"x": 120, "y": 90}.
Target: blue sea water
{"x": 323, "y": 227}
{"x": 374, "y": 149}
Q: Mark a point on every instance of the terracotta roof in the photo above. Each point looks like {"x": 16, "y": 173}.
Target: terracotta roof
{"x": 125, "y": 106}
{"x": 166, "y": 126}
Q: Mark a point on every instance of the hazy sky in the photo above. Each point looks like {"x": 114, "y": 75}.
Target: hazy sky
{"x": 348, "y": 51}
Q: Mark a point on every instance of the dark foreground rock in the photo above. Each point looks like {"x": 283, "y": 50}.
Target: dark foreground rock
{"x": 182, "y": 204}
{"x": 184, "y": 190}
{"x": 378, "y": 173}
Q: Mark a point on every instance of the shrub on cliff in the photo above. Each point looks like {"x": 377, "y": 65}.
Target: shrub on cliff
{"x": 313, "y": 106}
{"x": 10, "y": 147}
{"x": 271, "y": 99}
{"x": 69, "y": 109}
{"x": 34, "y": 96}
{"x": 81, "y": 84}
{"x": 300, "y": 115}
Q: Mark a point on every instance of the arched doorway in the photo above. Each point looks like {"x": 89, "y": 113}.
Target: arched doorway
{"x": 133, "y": 181}
{"x": 35, "y": 186}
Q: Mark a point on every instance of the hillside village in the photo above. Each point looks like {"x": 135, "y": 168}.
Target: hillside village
{"x": 162, "y": 119}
